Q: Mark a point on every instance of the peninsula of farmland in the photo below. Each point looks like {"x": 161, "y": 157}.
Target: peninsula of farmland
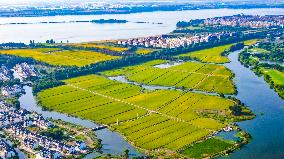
{"x": 150, "y": 119}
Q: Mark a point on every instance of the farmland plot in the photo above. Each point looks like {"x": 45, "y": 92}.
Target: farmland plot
{"x": 189, "y": 75}
{"x": 151, "y": 120}
{"x": 59, "y": 57}
{"x": 209, "y": 55}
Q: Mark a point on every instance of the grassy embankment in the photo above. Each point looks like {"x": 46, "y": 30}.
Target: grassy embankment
{"x": 251, "y": 42}
{"x": 214, "y": 54}
{"x": 211, "y": 55}
{"x": 142, "y": 51}
{"x": 276, "y": 79}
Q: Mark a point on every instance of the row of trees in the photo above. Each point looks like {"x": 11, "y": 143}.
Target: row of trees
{"x": 235, "y": 47}
{"x": 184, "y": 24}
{"x": 45, "y": 83}
{"x": 276, "y": 51}
{"x": 12, "y": 45}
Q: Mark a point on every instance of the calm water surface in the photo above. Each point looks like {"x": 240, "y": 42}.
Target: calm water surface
{"x": 81, "y": 32}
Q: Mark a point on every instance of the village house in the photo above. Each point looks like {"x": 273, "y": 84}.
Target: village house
{"x": 6, "y": 151}
{"x": 25, "y": 71}
{"x": 11, "y": 91}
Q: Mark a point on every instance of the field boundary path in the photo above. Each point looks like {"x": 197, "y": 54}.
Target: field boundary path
{"x": 125, "y": 102}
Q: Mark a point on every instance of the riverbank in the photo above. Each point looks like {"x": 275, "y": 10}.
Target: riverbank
{"x": 253, "y": 57}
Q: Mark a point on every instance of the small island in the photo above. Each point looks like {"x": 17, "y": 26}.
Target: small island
{"x": 102, "y": 21}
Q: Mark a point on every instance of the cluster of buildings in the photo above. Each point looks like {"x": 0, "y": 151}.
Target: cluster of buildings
{"x": 252, "y": 21}
{"x": 9, "y": 115}
{"x": 6, "y": 150}
{"x": 175, "y": 42}
{"x": 5, "y": 74}
{"x": 16, "y": 122}
{"x": 11, "y": 90}
{"x": 24, "y": 70}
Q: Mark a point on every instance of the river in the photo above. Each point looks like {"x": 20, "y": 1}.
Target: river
{"x": 82, "y": 32}
{"x": 267, "y": 130}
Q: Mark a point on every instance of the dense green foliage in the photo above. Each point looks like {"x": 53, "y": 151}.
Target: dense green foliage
{"x": 257, "y": 57}
{"x": 276, "y": 51}
{"x": 207, "y": 148}
{"x": 55, "y": 133}
{"x": 276, "y": 79}
{"x": 45, "y": 83}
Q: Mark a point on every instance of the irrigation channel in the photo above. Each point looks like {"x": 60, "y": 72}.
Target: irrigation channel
{"x": 267, "y": 130}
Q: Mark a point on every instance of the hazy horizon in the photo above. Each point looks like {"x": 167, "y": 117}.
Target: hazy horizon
{"x": 39, "y": 2}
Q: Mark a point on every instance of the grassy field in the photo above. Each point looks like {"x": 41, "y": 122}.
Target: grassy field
{"x": 99, "y": 46}
{"x": 250, "y": 42}
{"x": 275, "y": 79}
{"x": 189, "y": 75}
{"x": 276, "y": 76}
{"x": 144, "y": 51}
{"x": 207, "y": 148}
{"x": 165, "y": 119}
{"x": 258, "y": 50}
{"x": 209, "y": 55}
{"x": 56, "y": 56}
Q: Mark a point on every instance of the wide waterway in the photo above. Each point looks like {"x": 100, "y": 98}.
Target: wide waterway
{"x": 267, "y": 130}
{"x": 81, "y": 32}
